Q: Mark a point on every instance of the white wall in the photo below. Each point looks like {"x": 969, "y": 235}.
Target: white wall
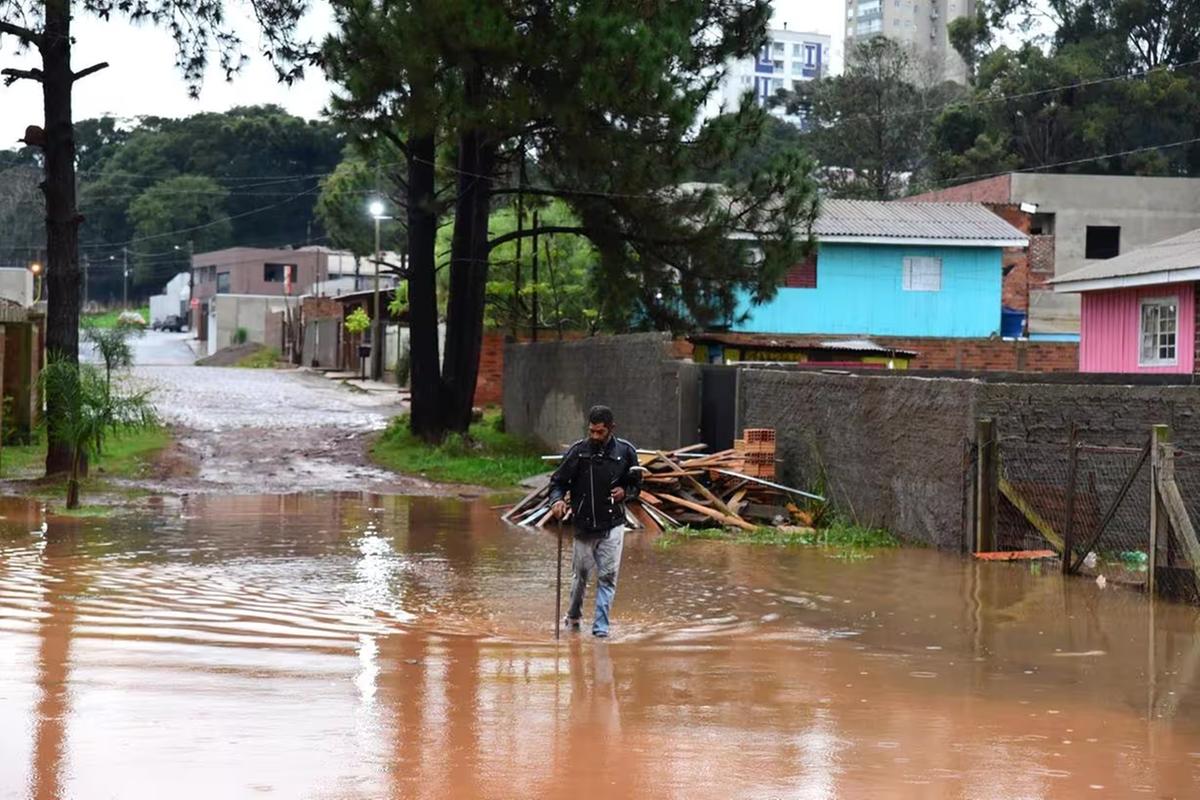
{"x": 247, "y": 311}
{"x": 16, "y": 284}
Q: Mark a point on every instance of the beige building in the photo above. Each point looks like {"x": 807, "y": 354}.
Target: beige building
{"x": 1075, "y": 221}
{"x": 921, "y": 25}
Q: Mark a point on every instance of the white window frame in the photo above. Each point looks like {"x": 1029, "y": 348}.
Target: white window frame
{"x": 922, "y": 274}
{"x": 1173, "y": 303}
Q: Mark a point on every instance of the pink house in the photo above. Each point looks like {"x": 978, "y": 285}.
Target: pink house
{"x": 1139, "y": 309}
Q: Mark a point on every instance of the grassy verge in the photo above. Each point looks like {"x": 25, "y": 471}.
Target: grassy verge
{"x": 266, "y": 358}
{"x": 126, "y": 455}
{"x": 845, "y": 539}
{"x": 485, "y": 457}
{"x": 108, "y": 319}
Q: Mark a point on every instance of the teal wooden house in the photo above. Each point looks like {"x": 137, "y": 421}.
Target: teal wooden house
{"x": 894, "y": 269}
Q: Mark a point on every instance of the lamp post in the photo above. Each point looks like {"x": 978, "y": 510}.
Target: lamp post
{"x": 36, "y": 269}
{"x": 376, "y": 209}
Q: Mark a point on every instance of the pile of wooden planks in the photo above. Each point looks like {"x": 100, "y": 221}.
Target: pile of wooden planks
{"x": 687, "y": 487}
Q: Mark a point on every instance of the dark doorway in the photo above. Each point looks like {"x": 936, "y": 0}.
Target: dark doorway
{"x": 718, "y": 406}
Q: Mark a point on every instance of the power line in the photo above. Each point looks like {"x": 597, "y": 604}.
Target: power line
{"x": 1148, "y": 148}
{"x": 1005, "y": 98}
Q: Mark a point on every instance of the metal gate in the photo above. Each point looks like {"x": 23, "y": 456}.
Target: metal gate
{"x": 718, "y": 406}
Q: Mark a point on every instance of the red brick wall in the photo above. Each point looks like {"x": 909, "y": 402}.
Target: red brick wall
{"x": 993, "y": 355}
{"x": 989, "y": 190}
{"x": 489, "y": 386}
{"x": 320, "y": 308}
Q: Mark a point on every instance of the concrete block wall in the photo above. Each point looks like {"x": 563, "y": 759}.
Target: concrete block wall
{"x": 891, "y": 449}
{"x": 549, "y": 386}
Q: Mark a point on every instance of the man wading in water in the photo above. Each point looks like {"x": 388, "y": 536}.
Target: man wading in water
{"x": 600, "y": 473}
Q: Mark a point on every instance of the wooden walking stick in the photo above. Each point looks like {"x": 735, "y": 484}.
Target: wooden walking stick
{"x": 558, "y": 590}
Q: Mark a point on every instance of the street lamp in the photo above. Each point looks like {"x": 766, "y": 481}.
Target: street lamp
{"x": 36, "y": 269}
{"x": 376, "y": 208}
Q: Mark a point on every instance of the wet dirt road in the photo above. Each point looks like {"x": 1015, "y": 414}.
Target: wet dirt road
{"x": 252, "y": 431}
{"x": 341, "y": 646}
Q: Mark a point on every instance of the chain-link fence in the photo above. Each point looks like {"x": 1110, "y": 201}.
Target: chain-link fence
{"x": 1093, "y": 506}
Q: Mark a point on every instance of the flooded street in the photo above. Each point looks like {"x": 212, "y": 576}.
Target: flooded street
{"x": 348, "y": 646}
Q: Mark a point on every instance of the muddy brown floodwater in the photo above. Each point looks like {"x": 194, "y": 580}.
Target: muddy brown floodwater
{"x": 346, "y": 646}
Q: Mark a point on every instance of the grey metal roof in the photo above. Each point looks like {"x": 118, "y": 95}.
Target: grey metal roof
{"x": 1180, "y": 252}
{"x": 905, "y": 222}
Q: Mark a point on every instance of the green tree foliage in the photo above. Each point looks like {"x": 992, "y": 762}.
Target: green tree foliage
{"x": 1100, "y": 87}
{"x": 604, "y": 98}
{"x": 871, "y": 125}
{"x": 22, "y": 214}
{"x": 566, "y": 265}
{"x": 264, "y": 165}
{"x": 172, "y": 212}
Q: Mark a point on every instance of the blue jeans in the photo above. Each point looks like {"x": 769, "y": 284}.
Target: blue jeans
{"x": 600, "y": 555}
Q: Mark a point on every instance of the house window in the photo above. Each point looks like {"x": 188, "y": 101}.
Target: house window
{"x": 1103, "y": 241}
{"x": 777, "y": 47}
{"x": 276, "y": 273}
{"x": 1159, "y": 325}
{"x": 922, "y": 274}
{"x": 795, "y": 51}
{"x": 222, "y": 283}
{"x": 802, "y": 275}
{"x": 1042, "y": 224}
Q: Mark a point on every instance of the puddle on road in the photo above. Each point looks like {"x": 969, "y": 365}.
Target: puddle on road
{"x": 364, "y": 647}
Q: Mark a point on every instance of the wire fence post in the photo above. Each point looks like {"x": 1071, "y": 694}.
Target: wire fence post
{"x": 985, "y": 486}
{"x": 1160, "y": 533}
{"x": 1069, "y": 522}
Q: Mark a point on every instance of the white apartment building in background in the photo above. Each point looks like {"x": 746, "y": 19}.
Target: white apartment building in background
{"x": 921, "y": 25}
{"x": 788, "y": 59}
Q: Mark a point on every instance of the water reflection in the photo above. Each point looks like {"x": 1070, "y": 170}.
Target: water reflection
{"x": 348, "y": 646}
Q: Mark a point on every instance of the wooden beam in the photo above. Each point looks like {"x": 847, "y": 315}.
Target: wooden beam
{"x": 1035, "y": 519}
{"x": 709, "y": 512}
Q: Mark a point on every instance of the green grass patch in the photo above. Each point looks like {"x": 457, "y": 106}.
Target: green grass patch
{"x": 108, "y": 319}
{"x": 126, "y": 455}
{"x": 265, "y": 358}
{"x": 846, "y": 539}
{"x": 485, "y": 457}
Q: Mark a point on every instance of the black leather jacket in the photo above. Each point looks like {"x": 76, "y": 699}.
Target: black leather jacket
{"x": 589, "y": 476}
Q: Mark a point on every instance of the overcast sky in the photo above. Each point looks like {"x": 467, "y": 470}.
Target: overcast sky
{"x": 142, "y": 78}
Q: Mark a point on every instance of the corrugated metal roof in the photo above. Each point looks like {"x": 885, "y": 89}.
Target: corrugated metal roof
{"x": 1180, "y": 252}
{"x": 949, "y": 222}
{"x": 790, "y": 341}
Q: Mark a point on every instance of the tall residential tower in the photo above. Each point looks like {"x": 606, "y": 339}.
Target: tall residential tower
{"x": 788, "y": 59}
{"x": 919, "y": 24}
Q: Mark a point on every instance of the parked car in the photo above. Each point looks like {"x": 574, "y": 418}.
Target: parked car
{"x": 171, "y": 322}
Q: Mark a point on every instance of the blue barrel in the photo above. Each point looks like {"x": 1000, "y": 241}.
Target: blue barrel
{"x": 1012, "y": 323}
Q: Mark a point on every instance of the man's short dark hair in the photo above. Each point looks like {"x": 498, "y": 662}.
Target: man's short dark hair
{"x": 600, "y": 415}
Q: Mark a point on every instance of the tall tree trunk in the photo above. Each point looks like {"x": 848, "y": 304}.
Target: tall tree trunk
{"x": 468, "y": 277}
{"x": 426, "y": 419}
{"x": 62, "y": 221}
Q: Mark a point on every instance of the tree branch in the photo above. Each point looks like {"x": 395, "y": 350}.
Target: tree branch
{"x": 545, "y": 229}
{"x": 83, "y": 73}
{"x": 12, "y": 75}
{"x": 24, "y": 34}
{"x": 395, "y": 139}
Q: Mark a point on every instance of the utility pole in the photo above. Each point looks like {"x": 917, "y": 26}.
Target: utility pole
{"x": 192, "y": 311}
{"x": 533, "y": 333}
{"x": 125, "y": 278}
{"x": 376, "y": 327}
